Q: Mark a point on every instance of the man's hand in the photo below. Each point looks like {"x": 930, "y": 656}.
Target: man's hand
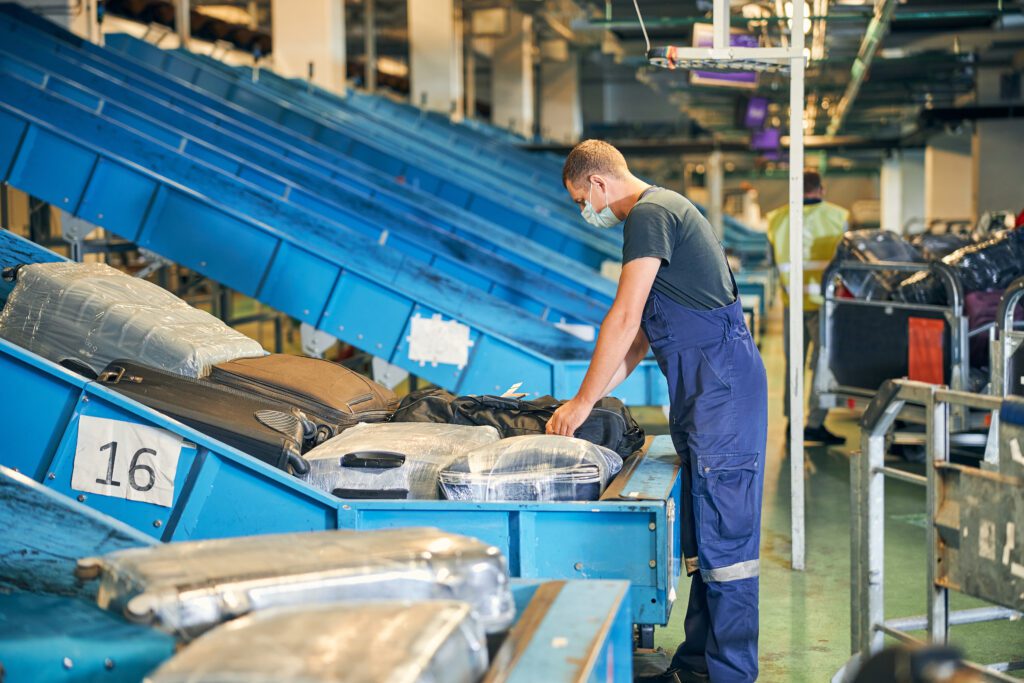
{"x": 569, "y": 416}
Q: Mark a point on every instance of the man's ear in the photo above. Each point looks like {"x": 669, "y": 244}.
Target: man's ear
{"x": 598, "y": 181}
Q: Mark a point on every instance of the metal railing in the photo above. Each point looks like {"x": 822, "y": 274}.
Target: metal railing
{"x": 958, "y": 544}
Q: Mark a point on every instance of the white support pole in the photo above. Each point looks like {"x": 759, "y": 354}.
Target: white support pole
{"x": 512, "y": 83}
{"x": 370, "y": 41}
{"x": 182, "y": 22}
{"x": 435, "y": 59}
{"x": 469, "y": 64}
{"x": 716, "y": 193}
{"x": 309, "y": 36}
{"x": 721, "y": 24}
{"x": 796, "y": 290}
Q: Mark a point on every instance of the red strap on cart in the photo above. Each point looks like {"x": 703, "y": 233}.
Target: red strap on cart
{"x": 925, "y": 342}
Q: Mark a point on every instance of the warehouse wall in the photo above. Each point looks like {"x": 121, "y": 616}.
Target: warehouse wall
{"x": 948, "y": 171}
{"x": 902, "y": 190}
{"x": 998, "y": 160}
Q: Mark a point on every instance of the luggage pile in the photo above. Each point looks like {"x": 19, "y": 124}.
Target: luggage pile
{"x": 982, "y": 265}
{"x": 414, "y": 604}
{"x": 874, "y": 246}
{"x": 984, "y": 262}
{"x": 340, "y": 431}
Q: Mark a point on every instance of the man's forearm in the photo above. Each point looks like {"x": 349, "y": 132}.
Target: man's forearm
{"x": 636, "y": 353}
{"x": 614, "y": 341}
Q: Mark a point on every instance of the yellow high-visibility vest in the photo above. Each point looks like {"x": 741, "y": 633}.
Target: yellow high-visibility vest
{"x": 824, "y": 225}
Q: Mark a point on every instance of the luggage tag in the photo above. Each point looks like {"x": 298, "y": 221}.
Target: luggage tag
{"x": 513, "y": 391}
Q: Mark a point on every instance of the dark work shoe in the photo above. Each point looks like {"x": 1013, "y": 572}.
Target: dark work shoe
{"x": 674, "y": 676}
{"x": 664, "y": 677}
{"x": 823, "y": 436}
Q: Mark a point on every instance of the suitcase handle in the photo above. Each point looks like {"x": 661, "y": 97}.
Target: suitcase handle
{"x": 376, "y": 460}
{"x": 370, "y": 494}
{"x": 298, "y": 464}
{"x": 115, "y": 374}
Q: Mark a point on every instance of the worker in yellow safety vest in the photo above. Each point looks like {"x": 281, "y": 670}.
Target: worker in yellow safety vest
{"x": 824, "y": 225}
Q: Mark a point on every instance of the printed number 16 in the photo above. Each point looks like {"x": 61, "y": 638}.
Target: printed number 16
{"x": 133, "y": 468}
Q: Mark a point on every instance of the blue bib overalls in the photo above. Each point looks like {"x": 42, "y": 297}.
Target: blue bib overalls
{"x": 718, "y": 421}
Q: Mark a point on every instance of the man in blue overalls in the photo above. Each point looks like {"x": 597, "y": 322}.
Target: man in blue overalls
{"x": 677, "y": 297}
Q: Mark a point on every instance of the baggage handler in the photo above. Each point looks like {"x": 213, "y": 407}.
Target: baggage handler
{"x": 824, "y": 226}
{"x": 677, "y": 297}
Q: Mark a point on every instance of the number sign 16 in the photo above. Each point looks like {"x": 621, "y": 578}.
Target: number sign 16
{"x": 126, "y": 460}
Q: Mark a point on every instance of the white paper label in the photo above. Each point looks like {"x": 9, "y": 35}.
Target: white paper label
{"x": 126, "y": 460}
{"x": 435, "y": 340}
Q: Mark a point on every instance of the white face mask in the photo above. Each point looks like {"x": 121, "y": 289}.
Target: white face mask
{"x": 605, "y": 219}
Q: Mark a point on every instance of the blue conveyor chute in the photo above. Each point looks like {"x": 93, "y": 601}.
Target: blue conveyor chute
{"x": 219, "y": 491}
{"x": 362, "y": 283}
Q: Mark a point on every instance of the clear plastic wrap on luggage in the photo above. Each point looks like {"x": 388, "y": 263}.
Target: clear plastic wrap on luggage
{"x": 94, "y": 314}
{"x": 873, "y": 246}
{"x": 934, "y": 247}
{"x": 187, "y": 588}
{"x": 986, "y": 266}
{"x": 532, "y": 468}
{"x": 425, "y": 447}
{"x": 435, "y": 641}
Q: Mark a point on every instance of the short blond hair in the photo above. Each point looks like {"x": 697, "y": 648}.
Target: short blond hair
{"x": 593, "y": 157}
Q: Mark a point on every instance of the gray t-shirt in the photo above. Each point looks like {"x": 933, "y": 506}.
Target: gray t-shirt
{"x": 694, "y": 272}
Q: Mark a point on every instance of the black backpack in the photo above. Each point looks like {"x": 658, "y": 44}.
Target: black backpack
{"x": 610, "y": 423}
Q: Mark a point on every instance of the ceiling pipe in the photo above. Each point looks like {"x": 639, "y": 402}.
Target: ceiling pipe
{"x": 593, "y": 24}
{"x": 876, "y": 30}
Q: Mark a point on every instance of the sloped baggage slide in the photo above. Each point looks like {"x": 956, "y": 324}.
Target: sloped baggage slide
{"x": 51, "y": 628}
{"x": 60, "y": 423}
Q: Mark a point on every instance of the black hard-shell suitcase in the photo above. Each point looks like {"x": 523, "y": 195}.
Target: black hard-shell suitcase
{"x": 268, "y": 431}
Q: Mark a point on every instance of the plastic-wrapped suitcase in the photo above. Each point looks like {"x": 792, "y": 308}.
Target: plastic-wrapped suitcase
{"x": 187, "y": 588}
{"x": 936, "y": 246}
{"x": 93, "y": 314}
{"x": 329, "y": 394}
{"x": 985, "y": 266}
{"x": 872, "y": 246}
{"x": 531, "y": 468}
{"x": 391, "y": 460}
{"x": 436, "y": 641}
{"x": 268, "y": 431}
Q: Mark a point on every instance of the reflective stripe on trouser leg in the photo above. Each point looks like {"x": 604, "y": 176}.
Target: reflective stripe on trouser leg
{"x": 749, "y": 569}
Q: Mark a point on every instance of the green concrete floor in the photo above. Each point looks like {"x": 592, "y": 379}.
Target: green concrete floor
{"x": 805, "y": 616}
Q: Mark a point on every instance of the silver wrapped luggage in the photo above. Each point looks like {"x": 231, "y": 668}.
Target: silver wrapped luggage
{"x": 542, "y": 467}
{"x": 93, "y": 314}
{"x": 397, "y": 642}
{"x": 188, "y": 588}
{"x": 392, "y": 460}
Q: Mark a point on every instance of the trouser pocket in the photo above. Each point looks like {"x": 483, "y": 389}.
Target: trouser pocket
{"x": 728, "y": 487}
